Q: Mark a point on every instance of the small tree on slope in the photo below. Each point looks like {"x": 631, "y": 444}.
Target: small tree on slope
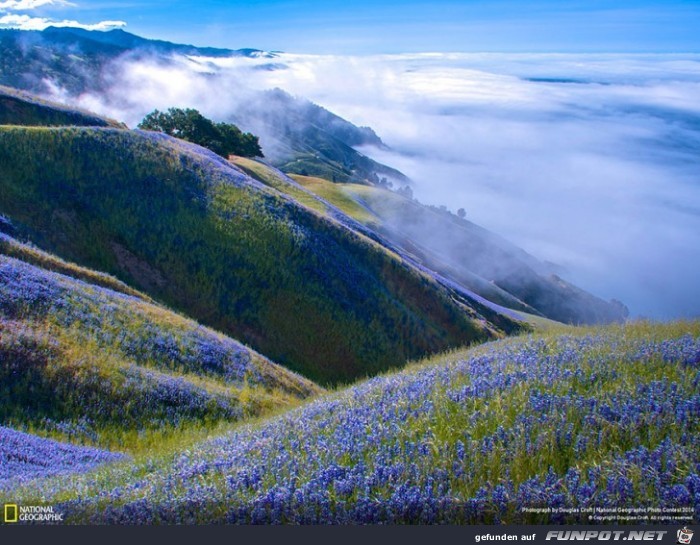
{"x": 188, "y": 124}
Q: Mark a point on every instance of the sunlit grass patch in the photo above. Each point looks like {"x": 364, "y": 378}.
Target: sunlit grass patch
{"x": 338, "y": 195}
{"x": 270, "y": 177}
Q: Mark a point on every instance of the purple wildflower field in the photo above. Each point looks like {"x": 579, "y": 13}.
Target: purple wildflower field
{"x": 25, "y": 457}
{"x": 576, "y": 421}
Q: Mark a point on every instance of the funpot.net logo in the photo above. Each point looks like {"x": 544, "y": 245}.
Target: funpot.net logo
{"x": 606, "y": 535}
{"x": 684, "y": 536}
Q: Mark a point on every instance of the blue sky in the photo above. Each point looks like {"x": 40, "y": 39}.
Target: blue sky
{"x": 386, "y": 26}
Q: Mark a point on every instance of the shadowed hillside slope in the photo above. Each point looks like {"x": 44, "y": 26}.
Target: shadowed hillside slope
{"x": 183, "y": 225}
{"x": 303, "y": 138}
{"x": 93, "y": 365}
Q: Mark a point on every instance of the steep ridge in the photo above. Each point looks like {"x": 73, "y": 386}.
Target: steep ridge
{"x": 301, "y": 137}
{"x": 461, "y": 248}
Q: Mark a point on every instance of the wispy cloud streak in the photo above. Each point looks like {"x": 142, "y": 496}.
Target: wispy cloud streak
{"x": 24, "y": 5}
{"x": 9, "y": 19}
{"x": 25, "y": 22}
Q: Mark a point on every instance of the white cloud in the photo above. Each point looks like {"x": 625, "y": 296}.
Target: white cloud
{"x": 23, "y": 5}
{"x": 26, "y": 22}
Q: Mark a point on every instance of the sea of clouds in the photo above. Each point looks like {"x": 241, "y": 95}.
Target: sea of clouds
{"x": 588, "y": 161}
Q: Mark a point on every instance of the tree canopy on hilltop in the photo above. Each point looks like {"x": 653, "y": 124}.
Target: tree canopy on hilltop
{"x": 188, "y": 124}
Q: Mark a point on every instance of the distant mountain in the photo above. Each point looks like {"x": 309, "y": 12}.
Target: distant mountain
{"x": 88, "y": 41}
{"x": 322, "y": 296}
{"x": 298, "y": 136}
{"x": 75, "y": 58}
{"x": 301, "y": 137}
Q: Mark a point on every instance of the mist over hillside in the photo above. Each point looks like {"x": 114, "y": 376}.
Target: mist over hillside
{"x": 297, "y": 135}
{"x": 589, "y": 162}
{"x": 174, "y": 306}
{"x": 130, "y": 75}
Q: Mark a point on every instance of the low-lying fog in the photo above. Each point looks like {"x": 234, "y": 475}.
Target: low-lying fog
{"x": 588, "y": 161}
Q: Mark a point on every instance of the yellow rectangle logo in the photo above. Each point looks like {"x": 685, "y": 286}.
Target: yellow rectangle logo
{"x": 11, "y": 512}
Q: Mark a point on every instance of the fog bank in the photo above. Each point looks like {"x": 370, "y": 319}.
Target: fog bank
{"x": 588, "y": 161}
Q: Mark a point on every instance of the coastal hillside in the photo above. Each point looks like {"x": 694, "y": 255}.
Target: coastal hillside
{"x": 298, "y": 135}
{"x": 458, "y": 249}
{"x": 184, "y": 226}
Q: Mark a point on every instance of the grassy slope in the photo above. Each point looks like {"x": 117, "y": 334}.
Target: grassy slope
{"x": 351, "y": 200}
{"x": 479, "y": 260}
{"x": 332, "y": 200}
{"x": 271, "y": 178}
{"x": 348, "y": 198}
{"x": 187, "y": 228}
{"x": 334, "y": 194}
{"x": 604, "y": 417}
{"x": 92, "y": 365}
{"x": 25, "y": 457}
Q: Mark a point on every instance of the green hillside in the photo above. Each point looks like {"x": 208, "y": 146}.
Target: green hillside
{"x": 478, "y": 260}
{"x": 184, "y": 226}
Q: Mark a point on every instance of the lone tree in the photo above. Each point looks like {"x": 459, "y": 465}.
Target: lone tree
{"x": 188, "y": 124}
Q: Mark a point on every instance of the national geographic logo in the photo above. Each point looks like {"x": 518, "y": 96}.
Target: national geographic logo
{"x": 11, "y": 513}
{"x": 30, "y": 513}
{"x": 617, "y": 535}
